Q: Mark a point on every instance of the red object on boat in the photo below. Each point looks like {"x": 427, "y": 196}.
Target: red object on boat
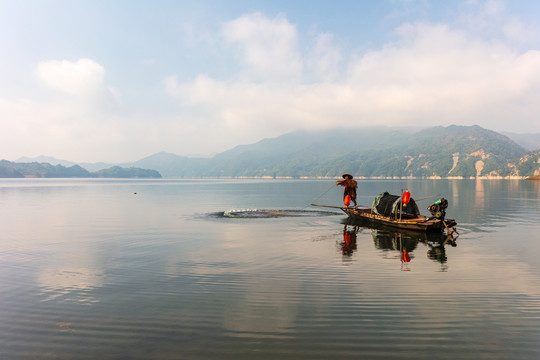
{"x": 347, "y": 200}
{"x": 406, "y": 197}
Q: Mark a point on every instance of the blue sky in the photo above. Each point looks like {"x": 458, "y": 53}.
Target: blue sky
{"x": 120, "y": 80}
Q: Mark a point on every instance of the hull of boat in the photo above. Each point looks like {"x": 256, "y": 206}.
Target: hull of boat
{"x": 423, "y": 224}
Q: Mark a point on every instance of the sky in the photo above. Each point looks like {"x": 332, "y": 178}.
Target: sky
{"x": 117, "y": 81}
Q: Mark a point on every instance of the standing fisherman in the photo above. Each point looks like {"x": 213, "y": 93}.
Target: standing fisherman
{"x": 350, "y": 187}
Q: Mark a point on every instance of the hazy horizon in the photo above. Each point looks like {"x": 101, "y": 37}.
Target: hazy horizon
{"x": 533, "y": 138}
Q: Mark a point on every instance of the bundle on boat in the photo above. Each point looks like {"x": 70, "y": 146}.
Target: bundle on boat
{"x": 392, "y": 206}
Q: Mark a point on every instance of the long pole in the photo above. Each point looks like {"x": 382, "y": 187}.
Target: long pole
{"x": 401, "y": 205}
{"x": 329, "y": 206}
{"x": 341, "y": 207}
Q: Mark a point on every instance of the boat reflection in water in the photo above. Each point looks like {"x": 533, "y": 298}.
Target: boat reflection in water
{"x": 404, "y": 242}
{"x": 407, "y": 243}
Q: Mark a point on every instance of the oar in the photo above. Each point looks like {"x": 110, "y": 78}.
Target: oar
{"x": 329, "y": 206}
{"x": 343, "y": 207}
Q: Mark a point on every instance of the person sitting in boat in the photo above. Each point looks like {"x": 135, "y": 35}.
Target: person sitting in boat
{"x": 350, "y": 187}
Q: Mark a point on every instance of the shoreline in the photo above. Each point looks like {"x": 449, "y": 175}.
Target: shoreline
{"x": 375, "y": 177}
{"x": 363, "y": 177}
{"x": 534, "y": 177}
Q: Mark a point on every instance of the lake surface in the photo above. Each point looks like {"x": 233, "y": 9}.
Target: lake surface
{"x": 186, "y": 269}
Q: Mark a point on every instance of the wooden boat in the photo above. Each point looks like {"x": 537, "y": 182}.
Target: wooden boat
{"x": 399, "y": 218}
{"x": 420, "y": 223}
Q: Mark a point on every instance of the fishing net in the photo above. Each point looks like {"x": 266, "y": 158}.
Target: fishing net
{"x": 269, "y": 213}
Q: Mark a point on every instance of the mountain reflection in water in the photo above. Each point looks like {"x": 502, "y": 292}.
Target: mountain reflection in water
{"x": 406, "y": 243}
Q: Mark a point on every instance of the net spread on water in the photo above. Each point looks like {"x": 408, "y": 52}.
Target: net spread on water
{"x": 270, "y": 213}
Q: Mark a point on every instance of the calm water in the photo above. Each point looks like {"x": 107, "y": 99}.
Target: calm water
{"x": 94, "y": 269}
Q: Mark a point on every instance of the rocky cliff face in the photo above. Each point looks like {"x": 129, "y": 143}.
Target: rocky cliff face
{"x": 527, "y": 165}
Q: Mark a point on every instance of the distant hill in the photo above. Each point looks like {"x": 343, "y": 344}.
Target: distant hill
{"x": 528, "y": 141}
{"x": 301, "y": 153}
{"x": 54, "y": 161}
{"x": 171, "y": 165}
{"x": 46, "y": 159}
{"x": 453, "y": 151}
{"x": 10, "y": 169}
{"x": 131, "y": 172}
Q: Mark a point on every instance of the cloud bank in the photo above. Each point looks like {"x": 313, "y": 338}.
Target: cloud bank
{"x": 280, "y": 78}
{"x": 431, "y": 74}
{"x": 83, "y": 79}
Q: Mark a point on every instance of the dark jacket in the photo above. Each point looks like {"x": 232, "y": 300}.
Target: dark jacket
{"x": 350, "y": 187}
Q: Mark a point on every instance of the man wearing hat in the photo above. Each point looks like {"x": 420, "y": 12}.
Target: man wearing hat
{"x": 350, "y": 187}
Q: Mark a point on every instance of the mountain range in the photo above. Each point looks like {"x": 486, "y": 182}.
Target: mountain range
{"x": 36, "y": 169}
{"x": 453, "y": 151}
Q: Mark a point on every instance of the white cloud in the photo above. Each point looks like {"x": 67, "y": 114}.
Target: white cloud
{"x": 518, "y": 32}
{"x": 85, "y": 118}
{"x": 80, "y": 78}
{"x": 491, "y": 19}
{"x": 432, "y": 75}
{"x": 83, "y": 78}
{"x": 269, "y": 46}
{"x": 494, "y": 7}
{"x": 325, "y": 58}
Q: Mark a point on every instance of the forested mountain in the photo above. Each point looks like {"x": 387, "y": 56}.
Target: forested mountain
{"x": 131, "y": 172}
{"x": 171, "y": 165}
{"x": 453, "y": 151}
{"x": 302, "y": 153}
{"x": 10, "y": 169}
